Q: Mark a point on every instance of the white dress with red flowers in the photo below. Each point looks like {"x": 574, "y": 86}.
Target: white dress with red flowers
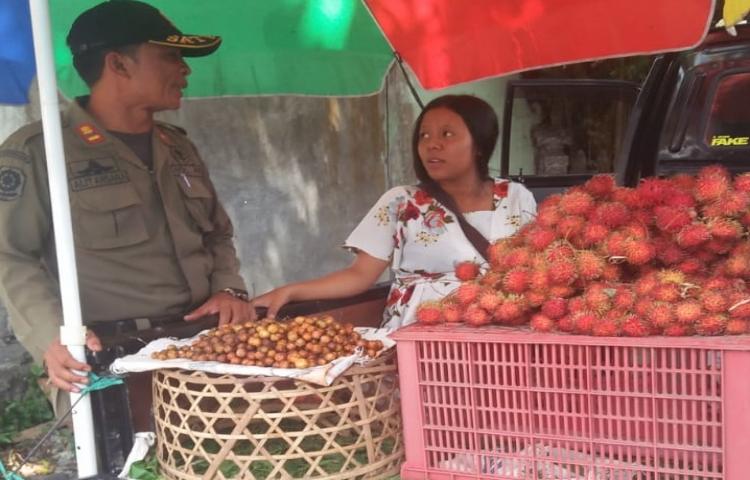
{"x": 423, "y": 241}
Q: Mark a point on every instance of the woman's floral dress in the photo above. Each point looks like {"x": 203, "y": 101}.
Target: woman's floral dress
{"x": 423, "y": 241}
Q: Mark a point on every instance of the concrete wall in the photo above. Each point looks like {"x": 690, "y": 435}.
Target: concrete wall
{"x": 296, "y": 174}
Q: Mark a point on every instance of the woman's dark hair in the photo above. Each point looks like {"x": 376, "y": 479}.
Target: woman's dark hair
{"x": 480, "y": 119}
{"x": 90, "y": 65}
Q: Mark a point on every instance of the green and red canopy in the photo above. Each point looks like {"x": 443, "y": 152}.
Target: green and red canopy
{"x": 345, "y": 47}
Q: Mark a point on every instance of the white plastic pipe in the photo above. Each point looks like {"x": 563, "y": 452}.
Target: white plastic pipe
{"x": 73, "y": 333}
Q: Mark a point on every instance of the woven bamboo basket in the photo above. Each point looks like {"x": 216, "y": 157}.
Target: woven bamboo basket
{"x": 215, "y": 427}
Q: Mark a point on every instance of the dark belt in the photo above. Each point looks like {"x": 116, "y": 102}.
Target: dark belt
{"x": 129, "y": 325}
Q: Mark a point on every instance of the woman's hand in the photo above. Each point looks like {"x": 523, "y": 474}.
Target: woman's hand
{"x": 354, "y": 279}
{"x": 274, "y": 300}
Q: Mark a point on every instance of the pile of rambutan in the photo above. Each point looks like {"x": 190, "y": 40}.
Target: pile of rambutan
{"x": 669, "y": 257}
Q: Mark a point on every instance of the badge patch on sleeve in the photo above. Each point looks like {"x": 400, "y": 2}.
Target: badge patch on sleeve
{"x": 12, "y": 181}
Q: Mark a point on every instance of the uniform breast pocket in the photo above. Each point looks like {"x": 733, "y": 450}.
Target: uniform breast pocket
{"x": 109, "y": 217}
{"x": 198, "y": 201}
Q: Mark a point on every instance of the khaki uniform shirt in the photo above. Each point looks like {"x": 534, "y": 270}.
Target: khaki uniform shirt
{"x": 148, "y": 243}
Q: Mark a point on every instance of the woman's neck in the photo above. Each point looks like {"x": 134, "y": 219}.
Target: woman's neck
{"x": 470, "y": 194}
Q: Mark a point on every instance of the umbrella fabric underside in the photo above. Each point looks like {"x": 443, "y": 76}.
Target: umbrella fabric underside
{"x": 447, "y": 42}
{"x": 270, "y": 47}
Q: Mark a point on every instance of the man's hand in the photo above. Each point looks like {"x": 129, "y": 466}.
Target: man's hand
{"x": 60, "y": 364}
{"x": 229, "y": 309}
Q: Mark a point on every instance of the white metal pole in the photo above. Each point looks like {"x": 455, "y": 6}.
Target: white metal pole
{"x": 73, "y": 333}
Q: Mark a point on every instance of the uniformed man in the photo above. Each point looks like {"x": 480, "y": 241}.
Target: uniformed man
{"x": 152, "y": 239}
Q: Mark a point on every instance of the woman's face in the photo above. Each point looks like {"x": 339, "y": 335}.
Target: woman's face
{"x": 445, "y": 146}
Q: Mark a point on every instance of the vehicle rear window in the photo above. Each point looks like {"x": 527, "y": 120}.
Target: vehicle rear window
{"x": 728, "y": 124}
{"x": 567, "y": 130}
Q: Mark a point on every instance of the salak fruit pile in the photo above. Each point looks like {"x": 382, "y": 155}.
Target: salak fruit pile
{"x": 298, "y": 343}
{"x": 669, "y": 257}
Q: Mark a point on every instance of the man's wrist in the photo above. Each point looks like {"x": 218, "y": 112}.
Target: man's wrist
{"x": 236, "y": 293}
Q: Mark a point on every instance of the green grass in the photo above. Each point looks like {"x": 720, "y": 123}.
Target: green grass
{"x": 31, "y": 410}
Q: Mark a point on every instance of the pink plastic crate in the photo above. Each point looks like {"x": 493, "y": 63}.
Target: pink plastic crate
{"x": 502, "y": 403}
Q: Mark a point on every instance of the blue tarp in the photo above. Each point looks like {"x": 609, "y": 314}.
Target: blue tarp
{"x": 17, "y": 67}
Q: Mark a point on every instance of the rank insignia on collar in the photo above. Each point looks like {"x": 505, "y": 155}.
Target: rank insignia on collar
{"x": 89, "y": 134}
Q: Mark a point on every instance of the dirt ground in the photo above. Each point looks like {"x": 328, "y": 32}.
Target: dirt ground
{"x": 55, "y": 459}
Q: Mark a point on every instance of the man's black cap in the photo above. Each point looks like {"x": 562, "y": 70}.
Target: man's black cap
{"x": 117, "y": 23}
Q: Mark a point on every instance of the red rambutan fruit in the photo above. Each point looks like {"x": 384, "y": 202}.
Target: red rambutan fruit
{"x": 562, "y": 272}
{"x": 597, "y": 300}
{"x": 714, "y": 301}
{"x": 590, "y": 265}
{"x": 492, "y": 279}
{"x": 565, "y": 324}
{"x": 510, "y": 310}
{"x": 548, "y": 216}
{"x": 583, "y": 322}
{"x": 539, "y": 279}
{"x": 576, "y": 202}
{"x": 594, "y": 233}
{"x": 555, "y": 308}
{"x": 668, "y": 252}
{"x": 736, "y": 326}
{"x": 666, "y": 292}
{"x": 653, "y": 190}
{"x": 559, "y": 251}
{"x": 635, "y": 326}
{"x": 711, "y": 183}
{"x": 497, "y": 250}
{"x": 612, "y": 272}
{"x": 466, "y": 271}
{"x": 535, "y": 298}
{"x": 467, "y": 293}
{"x": 516, "y": 257}
{"x": 539, "y": 238}
{"x": 452, "y": 312}
{"x": 642, "y": 306}
{"x": 570, "y": 226}
{"x": 430, "y": 313}
{"x": 711, "y": 324}
{"x": 489, "y": 300}
{"x": 724, "y": 228}
{"x": 737, "y": 266}
{"x": 678, "y": 330}
{"x": 691, "y": 266}
{"x": 628, "y": 197}
{"x": 561, "y": 291}
{"x": 645, "y": 284}
{"x": 683, "y": 181}
{"x": 639, "y": 252}
{"x": 693, "y": 235}
{"x": 680, "y": 199}
{"x": 611, "y": 214}
{"x": 516, "y": 280}
{"x": 660, "y": 314}
{"x": 672, "y": 219}
{"x": 740, "y": 307}
{"x": 600, "y": 186}
{"x": 624, "y": 298}
{"x": 576, "y": 304}
{"x": 476, "y": 315}
{"x": 607, "y": 326}
{"x": 542, "y": 323}
{"x": 742, "y": 182}
{"x": 614, "y": 245}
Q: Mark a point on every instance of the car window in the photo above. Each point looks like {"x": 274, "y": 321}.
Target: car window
{"x": 567, "y": 130}
{"x": 728, "y": 124}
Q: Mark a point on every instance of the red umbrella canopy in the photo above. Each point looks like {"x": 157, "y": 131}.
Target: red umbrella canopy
{"x": 447, "y": 42}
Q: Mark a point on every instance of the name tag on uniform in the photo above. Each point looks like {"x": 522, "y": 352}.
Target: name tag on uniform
{"x": 94, "y": 173}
